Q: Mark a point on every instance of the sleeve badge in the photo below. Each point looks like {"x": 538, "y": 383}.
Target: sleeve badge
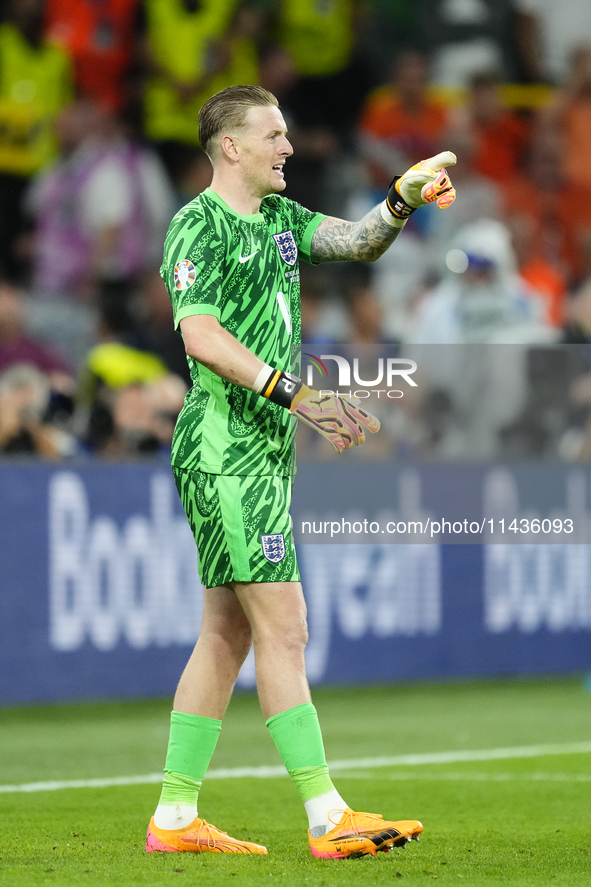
{"x": 184, "y": 274}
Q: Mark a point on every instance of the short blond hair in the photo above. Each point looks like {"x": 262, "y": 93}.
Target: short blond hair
{"x": 227, "y": 110}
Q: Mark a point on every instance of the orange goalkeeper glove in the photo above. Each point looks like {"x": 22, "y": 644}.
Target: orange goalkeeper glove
{"x": 339, "y": 419}
{"x": 425, "y": 182}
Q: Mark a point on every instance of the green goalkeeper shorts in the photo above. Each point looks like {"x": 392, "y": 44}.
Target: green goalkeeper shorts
{"x": 241, "y": 525}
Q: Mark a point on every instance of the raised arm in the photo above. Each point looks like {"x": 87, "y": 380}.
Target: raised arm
{"x": 336, "y": 240}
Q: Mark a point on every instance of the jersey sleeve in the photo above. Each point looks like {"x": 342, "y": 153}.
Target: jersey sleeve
{"x": 194, "y": 257}
{"x": 303, "y": 224}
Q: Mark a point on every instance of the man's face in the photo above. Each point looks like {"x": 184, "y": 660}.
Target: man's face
{"x": 263, "y": 149}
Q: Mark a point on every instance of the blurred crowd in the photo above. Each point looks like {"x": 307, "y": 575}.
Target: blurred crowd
{"x": 99, "y": 148}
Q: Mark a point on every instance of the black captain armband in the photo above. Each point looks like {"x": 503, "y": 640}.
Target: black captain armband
{"x": 277, "y": 386}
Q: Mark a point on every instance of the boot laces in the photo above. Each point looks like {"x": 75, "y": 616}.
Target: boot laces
{"x": 348, "y": 821}
{"x": 211, "y": 831}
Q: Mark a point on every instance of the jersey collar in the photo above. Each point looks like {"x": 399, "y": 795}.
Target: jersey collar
{"x": 256, "y": 217}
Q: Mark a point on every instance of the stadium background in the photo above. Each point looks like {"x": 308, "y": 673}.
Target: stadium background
{"x": 98, "y": 147}
{"x": 421, "y": 655}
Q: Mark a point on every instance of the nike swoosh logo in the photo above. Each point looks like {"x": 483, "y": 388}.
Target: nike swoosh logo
{"x": 243, "y": 259}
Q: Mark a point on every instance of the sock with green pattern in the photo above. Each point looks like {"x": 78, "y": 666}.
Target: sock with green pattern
{"x": 191, "y": 745}
{"x": 296, "y": 733}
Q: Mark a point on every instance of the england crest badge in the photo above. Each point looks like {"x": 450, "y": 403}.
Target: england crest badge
{"x": 273, "y": 547}
{"x": 288, "y": 248}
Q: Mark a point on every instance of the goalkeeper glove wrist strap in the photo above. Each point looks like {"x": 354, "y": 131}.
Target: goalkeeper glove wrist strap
{"x": 389, "y": 219}
{"x": 398, "y": 207}
{"x": 277, "y": 386}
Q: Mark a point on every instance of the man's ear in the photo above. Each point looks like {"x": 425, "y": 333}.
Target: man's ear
{"x": 230, "y": 148}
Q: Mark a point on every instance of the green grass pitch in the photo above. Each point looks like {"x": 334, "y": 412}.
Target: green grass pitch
{"x": 517, "y": 821}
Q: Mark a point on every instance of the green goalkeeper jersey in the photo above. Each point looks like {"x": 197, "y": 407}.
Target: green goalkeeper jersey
{"x": 244, "y": 271}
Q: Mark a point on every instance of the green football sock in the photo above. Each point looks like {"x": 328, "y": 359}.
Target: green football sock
{"x": 296, "y": 733}
{"x": 191, "y": 745}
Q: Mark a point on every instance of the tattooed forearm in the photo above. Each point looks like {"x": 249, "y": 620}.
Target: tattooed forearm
{"x": 338, "y": 241}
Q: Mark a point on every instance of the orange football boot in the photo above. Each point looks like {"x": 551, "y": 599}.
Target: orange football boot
{"x": 357, "y": 834}
{"x": 198, "y": 837}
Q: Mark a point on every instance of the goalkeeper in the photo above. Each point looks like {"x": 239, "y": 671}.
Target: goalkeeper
{"x": 231, "y": 269}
